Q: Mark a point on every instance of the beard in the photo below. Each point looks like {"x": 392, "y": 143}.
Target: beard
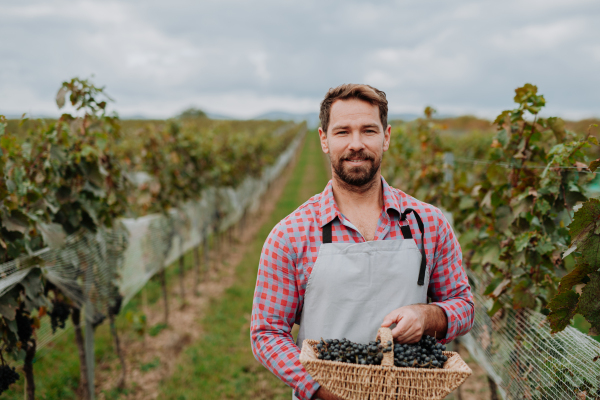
{"x": 357, "y": 176}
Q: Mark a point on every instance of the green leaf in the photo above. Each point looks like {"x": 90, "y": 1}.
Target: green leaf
{"x": 467, "y": 237}
{"x": 497, "y": 175}
{"x": 589, "y": 302}
{"x": 9, "y": 303}
{"x": 562, "y": 309}
{"x": 493, "y": 284}
{"x": 34, "y": 289}
{"x": 466, "y": 202}
{"x": 495, "y": 308}
{"x": 594, "y": 165}
{"x": 53, "y": 234}
{"x": 522, "y": 296}
{"x": 523, "y": 240}
{"x": 16, "y": 221}
{"x": 557, "y": 125}
{"x": 60, "y": 96}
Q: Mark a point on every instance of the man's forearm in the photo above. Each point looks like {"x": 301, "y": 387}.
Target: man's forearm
{"x": 436, "y": 321}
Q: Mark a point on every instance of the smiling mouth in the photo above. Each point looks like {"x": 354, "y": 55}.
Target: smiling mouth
{"x": 357, "y": 160}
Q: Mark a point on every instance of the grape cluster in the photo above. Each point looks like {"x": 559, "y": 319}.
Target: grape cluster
{"x": 59, "y": 315}
{"x": 115, "y": 308}
{"x": 8, "y": 376}
{"x": 349, "y": 352}
{"x": 24, "y": 328}
{"x": 427, "y": 353}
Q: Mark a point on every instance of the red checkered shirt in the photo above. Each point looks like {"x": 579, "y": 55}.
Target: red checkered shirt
{"x": 290, "y": 252}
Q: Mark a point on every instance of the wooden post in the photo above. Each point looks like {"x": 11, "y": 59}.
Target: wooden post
{"x": 163, "y": 284}
{"x": 113, "y": 331}
{"x": 28, "y": 369}
{"x": 83, "y": 378}
{"x": 181, "y": 270}
{"x": 206, "y": 250}
{"x": 89, "y": 357}
{"x": 493, "y": 389}
{"x": 197, "y": 266}
{"x": 182, "y": 277}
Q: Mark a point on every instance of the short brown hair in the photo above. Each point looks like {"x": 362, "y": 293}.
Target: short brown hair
{"x": 353, "y": 91}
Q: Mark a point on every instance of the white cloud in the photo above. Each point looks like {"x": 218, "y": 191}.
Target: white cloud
{"x": 240, "y": 58}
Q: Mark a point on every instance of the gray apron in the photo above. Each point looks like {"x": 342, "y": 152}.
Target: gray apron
{"x": 353, "y": 286}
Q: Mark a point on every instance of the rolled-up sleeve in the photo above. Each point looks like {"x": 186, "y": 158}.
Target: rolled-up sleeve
{"x": 449, "y": 285}
{"x": 274, "y": 310}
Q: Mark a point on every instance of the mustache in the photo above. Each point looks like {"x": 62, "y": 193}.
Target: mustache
{"x": 363, "y": 155}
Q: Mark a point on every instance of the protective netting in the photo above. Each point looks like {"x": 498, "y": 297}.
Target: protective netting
{"x": 94, "y": 269}
{"x": 518, "y": 352}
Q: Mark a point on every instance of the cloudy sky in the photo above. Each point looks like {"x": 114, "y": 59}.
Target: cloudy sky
{"x": 243, "y": 58}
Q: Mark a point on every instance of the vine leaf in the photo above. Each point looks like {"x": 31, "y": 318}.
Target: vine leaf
{"x": 583, "y": 231}
{"x": 577, "y": 276}
{"x": 9, "y": 304}
{"x": 16, "y": 221}
{"x": 564, "y": 307}
{"x": 54, "y": 234}
{"x": 589, "y": 303}
{"x": 594, "y": 164}
{"x": 60, "y": 96}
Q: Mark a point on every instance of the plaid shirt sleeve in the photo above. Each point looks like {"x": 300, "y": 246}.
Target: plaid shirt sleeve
{"x": 449, "y": 286}
{"x": 274, "y": 310}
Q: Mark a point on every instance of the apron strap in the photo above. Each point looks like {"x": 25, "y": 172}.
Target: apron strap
{"x": 406, "y": 233}
{"x": 327, "y": 232}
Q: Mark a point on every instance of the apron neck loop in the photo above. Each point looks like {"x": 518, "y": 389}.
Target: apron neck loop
{"x": 408, "y": 235}
{"x": 327, "y": 232}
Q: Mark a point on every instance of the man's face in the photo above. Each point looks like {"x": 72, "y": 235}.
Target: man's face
{"x": 355, "y": 141}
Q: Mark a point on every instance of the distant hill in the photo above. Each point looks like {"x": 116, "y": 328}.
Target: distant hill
{"x": 312, "y": 119}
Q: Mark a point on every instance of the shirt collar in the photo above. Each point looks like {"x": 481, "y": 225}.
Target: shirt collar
{"x": 329, "y": 209}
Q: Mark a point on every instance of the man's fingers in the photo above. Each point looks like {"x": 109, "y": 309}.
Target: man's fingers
{"x": 392, "y": 318}
{"x": 400, "y": 328}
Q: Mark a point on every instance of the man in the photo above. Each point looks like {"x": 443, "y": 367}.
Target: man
{"x": 357, "y": 256}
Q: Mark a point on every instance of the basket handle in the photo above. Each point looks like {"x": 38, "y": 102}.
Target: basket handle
{"x": 385, "y": 334}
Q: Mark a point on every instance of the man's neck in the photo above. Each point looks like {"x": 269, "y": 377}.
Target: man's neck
{"x": 351, "y": 199}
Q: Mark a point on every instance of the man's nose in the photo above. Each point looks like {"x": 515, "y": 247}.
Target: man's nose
{"x": 356, "y": 142}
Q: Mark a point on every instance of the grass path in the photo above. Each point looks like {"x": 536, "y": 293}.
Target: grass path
{"x": 221, "y": 365}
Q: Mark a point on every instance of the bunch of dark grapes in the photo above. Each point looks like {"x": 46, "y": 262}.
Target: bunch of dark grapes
{"x": 115, "y": 308}
{"x": 427, "y": 353}
{"x": 59, "y": 315}
{"x": 8, "y": 376}
{"x": 24, "y": 329}
{"x": 354, "y": 353}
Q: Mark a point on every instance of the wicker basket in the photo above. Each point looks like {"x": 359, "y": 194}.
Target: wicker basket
{"x": 385, "y": 381}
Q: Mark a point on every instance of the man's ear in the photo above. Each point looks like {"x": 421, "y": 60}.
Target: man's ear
{"x": 387, "y": 134}
{"x": 324, "y": 144}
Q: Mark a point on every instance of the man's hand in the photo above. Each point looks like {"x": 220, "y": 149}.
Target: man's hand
{"x": 412, "y": 322}
{"x": 325, "y": 394}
